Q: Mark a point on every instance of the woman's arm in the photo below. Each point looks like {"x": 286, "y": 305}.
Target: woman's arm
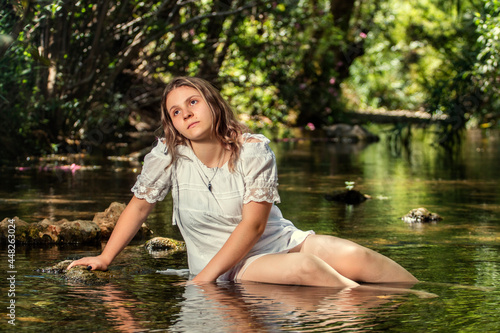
{"x": 127, "y": 226}
{"x": 241, "y": 241}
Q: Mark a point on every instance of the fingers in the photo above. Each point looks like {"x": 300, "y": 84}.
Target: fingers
{"x": 83, "y": 262}
{"x": 75, "y": 263}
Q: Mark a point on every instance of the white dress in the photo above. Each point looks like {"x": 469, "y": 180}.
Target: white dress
{"x": 206, "y": 218}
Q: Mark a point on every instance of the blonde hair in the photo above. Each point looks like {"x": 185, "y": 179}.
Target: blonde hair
{"x": 225, "y": 126}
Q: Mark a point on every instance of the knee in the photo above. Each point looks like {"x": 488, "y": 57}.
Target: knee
{"x": 306, "y": 268}
{"x": 355, "y": 262}
{"x": 358, "y": 253}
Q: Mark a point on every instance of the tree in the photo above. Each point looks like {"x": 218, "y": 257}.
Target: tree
{"x": 428, "y": 56}
{"x": 289, "y": 60}
{"x": 486, "y": 71}
{"x": 89, "y": 63}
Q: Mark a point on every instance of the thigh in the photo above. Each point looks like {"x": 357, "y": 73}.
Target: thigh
{"x": 354, "y": 261}
{"x": 345, "y": 256}
{"x": 330, "y": 247}
{"x": 294, "y": 269}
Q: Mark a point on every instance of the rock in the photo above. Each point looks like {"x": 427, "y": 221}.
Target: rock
{"x": 78, "y": 274}
{"x": 350, "y": 197}
{"x": 160, "y": 247}
{"x": 107, "y": 220}
{"x": 67, "y": 232}
{"x": 47, "y": 232}
{"x": 421, "y": 215}
{"x": 349, "y": 134}
{"x": 59, "y": 268}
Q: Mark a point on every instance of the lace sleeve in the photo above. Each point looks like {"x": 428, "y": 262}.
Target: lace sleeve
{"x": 154, "y": 182}
{"x": 260, "y": 172}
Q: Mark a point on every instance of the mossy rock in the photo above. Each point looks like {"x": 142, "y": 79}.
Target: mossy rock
{"x": 67, "y": 232}
{"x": 48, "y": 232}
{"x": 158, "y": 247}
{"x": 162, "y": 246}
{"x": 78, "y": 274}
{"x": 421, "y": 215}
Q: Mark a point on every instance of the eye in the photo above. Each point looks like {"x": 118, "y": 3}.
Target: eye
{"x": 175, "y": 112}
{"x": 193, "y": 102}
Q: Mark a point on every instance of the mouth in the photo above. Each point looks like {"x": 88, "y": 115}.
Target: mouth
{"x": 192, "y": 124}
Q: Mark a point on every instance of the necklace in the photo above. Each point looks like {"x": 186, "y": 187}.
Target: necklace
{"x": 216, "y": 170}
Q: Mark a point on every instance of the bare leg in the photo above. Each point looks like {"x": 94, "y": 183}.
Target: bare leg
{"x": 354, "y": 261}
{"x": 295, "y": 269}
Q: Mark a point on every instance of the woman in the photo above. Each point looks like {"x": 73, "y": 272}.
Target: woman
{"x": 224, "y": 188}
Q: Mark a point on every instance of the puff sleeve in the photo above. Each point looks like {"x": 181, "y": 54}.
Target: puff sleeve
{"x": 258, "y": 165}
{"x": 154, "y": 182}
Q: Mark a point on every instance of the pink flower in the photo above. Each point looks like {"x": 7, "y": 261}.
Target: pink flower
{"x": 362, "y": 35}
{"x": 310, "y": 126}
{"x": 332, "y": 80}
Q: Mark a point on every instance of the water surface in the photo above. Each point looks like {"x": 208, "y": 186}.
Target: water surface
{"x": 456, "y": 259}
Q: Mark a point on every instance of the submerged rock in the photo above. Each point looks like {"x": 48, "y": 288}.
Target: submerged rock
{"x": 421, "y": 215}
{"x": 80, "y": 274}
{"x": 77, "y": 274}
{"x": 66, "y": 232}
{"x": 58, "y": 268}
{"x": 161, "y": 246}
{"x": 350, "y": 197}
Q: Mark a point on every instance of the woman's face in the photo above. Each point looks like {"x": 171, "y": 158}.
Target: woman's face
{"x": 190, "y": 114}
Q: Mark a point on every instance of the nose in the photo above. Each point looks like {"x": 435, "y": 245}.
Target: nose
{"x": 186, "y": 114}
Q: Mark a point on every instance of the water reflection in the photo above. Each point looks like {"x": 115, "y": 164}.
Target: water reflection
{"x": 245, "y": 307}
{"x": 118, "y": 307}
{"x": 255, "y": 307}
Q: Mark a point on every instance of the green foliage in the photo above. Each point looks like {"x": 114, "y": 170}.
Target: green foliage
{"x": 486, "y": 71}
{"x": 16, "y": 64}
{"x": 296, "y": 53}
{"x": 408, "y": 48}
{"x": 429, "y": 56}
{"x": 488, "y": 29}
{"x": 79, "y": 64}
{"x": 349, "y": 185}
{"x": 73, "y": 66}
{"x": 75, "y": 70}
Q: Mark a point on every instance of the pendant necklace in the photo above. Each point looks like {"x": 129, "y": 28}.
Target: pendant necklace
{"x": 217, "y": 169}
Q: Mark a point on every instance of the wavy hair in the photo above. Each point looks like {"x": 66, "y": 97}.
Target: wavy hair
{"x": 225, "y": 126}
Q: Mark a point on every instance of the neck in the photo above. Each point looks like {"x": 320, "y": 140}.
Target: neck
{"x": 209, "y": 153}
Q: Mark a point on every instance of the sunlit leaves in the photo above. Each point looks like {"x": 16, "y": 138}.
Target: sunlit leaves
{"x": 487, "y": 67}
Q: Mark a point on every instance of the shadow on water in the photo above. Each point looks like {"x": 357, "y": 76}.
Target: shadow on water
{"x": 456, "y": 258}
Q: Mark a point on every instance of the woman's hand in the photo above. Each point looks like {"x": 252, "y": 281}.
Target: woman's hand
{"x": 96, "y": 263}
{"x": 202, "y": 279}
{"x": 126, "y": 227}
